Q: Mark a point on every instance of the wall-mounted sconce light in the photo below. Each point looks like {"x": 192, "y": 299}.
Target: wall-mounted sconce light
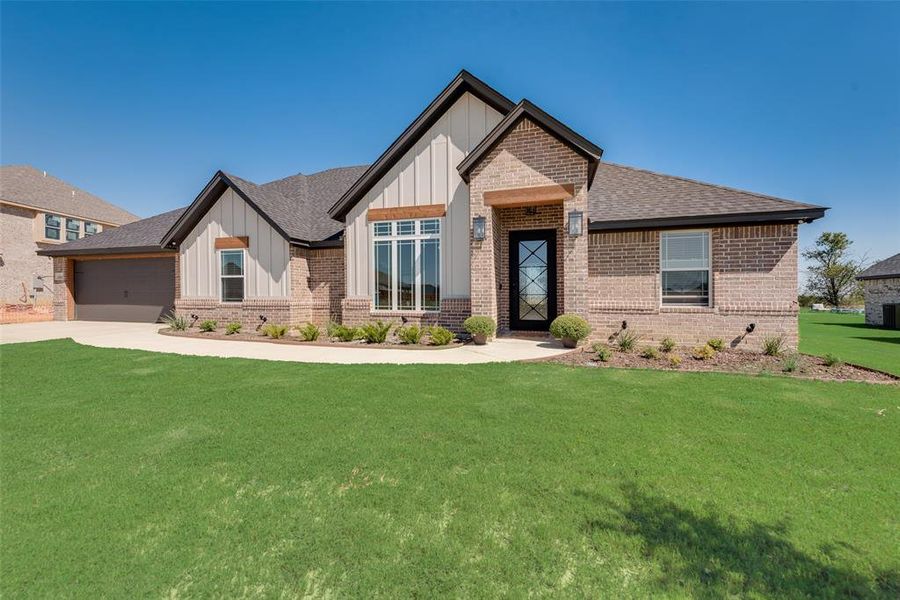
{"x": 576, "y": 219}
{"x": 478, "y": 227}
{"x": 624, "y": 324}
{"x": 751, "y": 327}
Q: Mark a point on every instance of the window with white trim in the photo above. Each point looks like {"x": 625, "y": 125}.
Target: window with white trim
{"x": 73, "y": 229}
{"x": 684, "y": 265}
{"x": 407, "y": 264}
{"x": 91, "y": 228}
{"x": 52, "y": 224}
{"x": 231, "y": 275}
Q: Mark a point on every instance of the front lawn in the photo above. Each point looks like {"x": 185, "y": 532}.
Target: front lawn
{"x": 849, "y": 338}
{"x": 129, "y": 474}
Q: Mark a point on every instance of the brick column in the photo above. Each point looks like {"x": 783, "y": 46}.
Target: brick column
{"x": 63, "y": 289}
{"x": 575, "y": 256}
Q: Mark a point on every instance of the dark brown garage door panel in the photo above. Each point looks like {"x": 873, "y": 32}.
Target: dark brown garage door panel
{"x": 130, "y": 289}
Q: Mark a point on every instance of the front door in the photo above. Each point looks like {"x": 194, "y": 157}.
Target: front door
{"x": 532, "y": 274}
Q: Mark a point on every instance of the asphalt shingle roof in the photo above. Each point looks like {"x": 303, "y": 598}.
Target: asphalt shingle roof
{"x": 143, "y": 234}
{"x": 26, "y": 185}
{"x": 889, "y": 267}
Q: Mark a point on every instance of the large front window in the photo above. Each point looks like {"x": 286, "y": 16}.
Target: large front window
{"x": 407, "y": 264}
{"x": 232, "y": 275}
{"x": 684, "y": 262}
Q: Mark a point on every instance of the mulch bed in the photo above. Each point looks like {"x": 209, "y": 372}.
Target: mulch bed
{"x": 293, "y": 339}
{"x": 729, "y": 361}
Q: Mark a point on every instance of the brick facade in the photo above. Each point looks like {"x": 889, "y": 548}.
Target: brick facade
{"x": 877, "y": 293}
{"x": 19, "y": 265}
{"x": 356, "y": 311}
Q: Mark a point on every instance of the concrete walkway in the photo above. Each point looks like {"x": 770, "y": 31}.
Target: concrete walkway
{"x": 144, "y": 336}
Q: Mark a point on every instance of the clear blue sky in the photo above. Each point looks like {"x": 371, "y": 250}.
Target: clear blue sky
{"x": 142, "y": 103}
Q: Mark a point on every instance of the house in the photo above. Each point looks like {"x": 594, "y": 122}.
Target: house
{"x": 39, "y": 211}
{"x": 481, "y": 206}
{"x": 881, "y": 288}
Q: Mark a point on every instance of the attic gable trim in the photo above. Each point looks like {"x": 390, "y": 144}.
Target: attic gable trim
{"x": 201, "y": 205}
{"x": 526, "y": 109}
{"x": 462, "y": 83}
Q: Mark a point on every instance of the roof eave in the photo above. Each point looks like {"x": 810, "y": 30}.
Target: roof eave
{"x": 57, "y": 252}
{"x": 804, "y": 215}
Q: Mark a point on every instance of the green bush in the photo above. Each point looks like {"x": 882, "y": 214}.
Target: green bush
{"x": 475, "y": 325}
{"x": 208, "y": 325}
{"x": 704, "y": 352}
{"x": 603, "y": 353}
{"x": 627, "y": 340}
{"x": 831, "y": 360}
{"x": 331, "y": 329}
{"x": 232, "y": 328}
{"x": 772, "y": 345}
{"x": 667, "y": 344}
{"x": 790, "y": 363}
{"x": 309, "y": 332}
{"x": 440, "y": 336}
{"x": 275, "y": 331}
{"x": 344, "y": 333}
{"x": 650, "y": 352}
{"x": 375, "y": 333}
{"x": 569, "y": 327}
{"x": 175, "y": 322}
{"x": 717, "y": 344}
{"x": 675, "y": 360}
{"x": 411, "y": 334}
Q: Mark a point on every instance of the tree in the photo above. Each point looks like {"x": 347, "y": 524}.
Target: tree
{"x": 833, "y": 269}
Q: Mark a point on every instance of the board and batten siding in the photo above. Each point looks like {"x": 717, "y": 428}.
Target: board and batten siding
{"x": 426, "y": 174}
{"x": 266, "y": 270}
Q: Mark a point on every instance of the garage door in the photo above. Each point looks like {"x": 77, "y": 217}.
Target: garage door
{"x": 136, "y": 289}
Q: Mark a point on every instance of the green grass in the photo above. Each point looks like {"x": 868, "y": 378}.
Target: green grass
{"x": 129, "y": 474}
{"x": 848, "y": 337}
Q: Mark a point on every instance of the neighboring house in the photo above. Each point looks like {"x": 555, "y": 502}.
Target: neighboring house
{"x": 37, "y": 212}
{"x": 482, "y": 206}
{"x": 881, "y": 287}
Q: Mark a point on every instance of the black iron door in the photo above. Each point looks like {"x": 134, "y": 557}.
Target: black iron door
{"x": 532, "y": 275}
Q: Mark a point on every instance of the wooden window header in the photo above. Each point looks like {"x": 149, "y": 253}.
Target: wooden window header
{"x": 529, "y": 196}
{"x": 426, "y": 211}
{"x": 229, "y": 243}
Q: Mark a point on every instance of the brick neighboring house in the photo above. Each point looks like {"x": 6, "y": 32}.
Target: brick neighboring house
{"x": 881, "y": 288}
{"x": 38, "y": 212}
{"x": 483, "y": 206}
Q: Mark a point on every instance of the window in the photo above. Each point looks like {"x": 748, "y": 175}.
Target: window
{"x": 407, "y": 264}
{"x": 684, "y": 262}
{"x": 91, "y": 228}
{"x": 73, "y": 229}
{"x": 51, "y": 226}
{"x": 232, "y": 275}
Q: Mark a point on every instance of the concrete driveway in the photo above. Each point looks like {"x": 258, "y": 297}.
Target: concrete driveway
{"x": 144, "y": 336}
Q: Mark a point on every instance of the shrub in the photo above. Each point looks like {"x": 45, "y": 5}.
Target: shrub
{"x": 475, "y": 325}
{"x": 790, "y": 363}
{"x": 331, "y": 329}
{"x": 440, "y": 336}
{"x": 309, "y": 332}
{"x": 717, "y": 344}
{"x": 831, "y": 360}
{"x": 675, "y": 360}
{"x": 375, "y": 333}
{"x": 411, "y": 334}
{"x": 772, "y": 345}
{"x": 275, "y": 331}
{"x": 603, "y": 353}
{"x": 650, "y": 352}
{"x": 208, "y": 325}
{"x": 175, "y": 322}
{"x": 232, "y": 328}
{"x": 667, "y": 344}
{"x": 627, "y": 340}
{"x": 569, "y": 327}
{"x": 704, "y": 352}
{"x": 344, "y": 333}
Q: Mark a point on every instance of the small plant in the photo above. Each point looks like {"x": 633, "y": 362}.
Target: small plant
{"x": 440, "y": 336}
{"x": 667, "y": 344}
{"x": 717, "y": 344}
{"x": 411, "y": 334}
{"x": 309, "y": 332}
{"x": 772, "y": 345}
{"x": 704, "y": 352}
{"x": 675, "y": 360}
{"x": 603, "y": 352}
{"x": 276, "y": 332}
{"x": 344, "y": 333}
{"x": 627, "y": 340}
{"x": 790, "y": 363}
{"x": 650, "y": 352}
{"x": 571, "y": 329}
{"x": 375, "y": 333}
{"x": 175, "y": 322}
{"x": 232, "y": 328}
{"x": 476, "y": 325}
{"x": 208, "y": 325}
{"x": 831, "y": 360}
{"x": 331, "y": 329}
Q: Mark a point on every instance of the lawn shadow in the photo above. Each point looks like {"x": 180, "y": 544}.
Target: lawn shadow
{"x": 889, "y": 340}
{"x": 853, "y": 325}
{"x": 714, "y": 556}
